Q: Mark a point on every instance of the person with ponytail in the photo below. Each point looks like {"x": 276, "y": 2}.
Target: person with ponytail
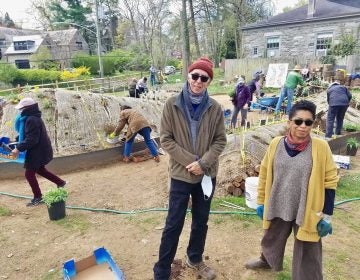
{"x": 296, "y": 192}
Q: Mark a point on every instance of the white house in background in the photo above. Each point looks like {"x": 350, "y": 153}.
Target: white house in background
{"x": 22, "y": 47}
{"x": 17, "y": 45}
{"x": 307, "y": 31}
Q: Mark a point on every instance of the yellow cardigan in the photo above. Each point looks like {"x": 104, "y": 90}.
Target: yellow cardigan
{"x": 323, "y": 176}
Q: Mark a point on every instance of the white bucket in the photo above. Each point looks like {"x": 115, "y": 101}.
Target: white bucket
{"x": 251, "y": 185}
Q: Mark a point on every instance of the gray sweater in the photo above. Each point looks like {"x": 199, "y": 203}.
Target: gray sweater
{"x": 291, "y": 177}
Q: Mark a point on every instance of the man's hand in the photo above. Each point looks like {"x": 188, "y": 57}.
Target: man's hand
{"x": 15, "y": 153}
{"x": 195, "y": 168}
{"x": 246, "y": 106}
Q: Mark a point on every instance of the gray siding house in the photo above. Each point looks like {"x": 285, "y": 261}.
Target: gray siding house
{"x": 17, "y": 45}
{"x": 307, "y": 31}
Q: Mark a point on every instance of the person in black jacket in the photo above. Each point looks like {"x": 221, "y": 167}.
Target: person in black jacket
{"x": 34, "y": 139}
{"x": 338, "y": 98}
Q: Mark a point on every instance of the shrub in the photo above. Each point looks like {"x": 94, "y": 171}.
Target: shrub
{"x": 36, "y": 76}
{"x": 8, "y": 73}
{"x": 92, "y": 63}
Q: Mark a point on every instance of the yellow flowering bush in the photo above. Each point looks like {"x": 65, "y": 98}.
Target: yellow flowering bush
{"x": 81, "y": 71}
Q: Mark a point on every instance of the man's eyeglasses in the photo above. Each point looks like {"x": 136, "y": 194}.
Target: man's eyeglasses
{"x": 300, "y": 122}
{"x": 196, "y": 76}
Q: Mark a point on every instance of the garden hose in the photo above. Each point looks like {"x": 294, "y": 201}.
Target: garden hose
{"x": 138, "y": 211}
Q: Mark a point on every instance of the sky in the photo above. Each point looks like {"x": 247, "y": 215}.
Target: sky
{"x": 18, "y": 10}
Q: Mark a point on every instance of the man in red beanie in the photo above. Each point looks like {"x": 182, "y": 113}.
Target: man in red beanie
{"x": 193, "y": 133}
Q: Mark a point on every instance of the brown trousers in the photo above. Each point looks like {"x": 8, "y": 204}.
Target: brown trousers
{"x": 307, "y": 256}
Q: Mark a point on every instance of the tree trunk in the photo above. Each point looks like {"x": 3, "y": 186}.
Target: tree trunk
{"x": 186, "y": 43}
{"x": 193, "y": 26}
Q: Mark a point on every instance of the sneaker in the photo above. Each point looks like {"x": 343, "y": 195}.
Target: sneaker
{"x": 202, "y": 269}
{"x": 157, "y": 158}
{"x": 62, "y": 185}
{"x": 259, "y": 263}
{"x": 35, "y": 201}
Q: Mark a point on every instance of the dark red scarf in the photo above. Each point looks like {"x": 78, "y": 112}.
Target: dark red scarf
{"x": 297, "y": 146}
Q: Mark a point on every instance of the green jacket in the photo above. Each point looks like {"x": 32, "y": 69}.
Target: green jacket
{"x": 175, "y": 138}
{"x": 293, "y": 80}
{"x": 323, "y": 176}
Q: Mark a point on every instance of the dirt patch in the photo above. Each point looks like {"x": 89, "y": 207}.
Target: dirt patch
{"x": 32, "y": 247}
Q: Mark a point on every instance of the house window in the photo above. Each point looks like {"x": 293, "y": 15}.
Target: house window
{"x": 323, "y": 43}
{"x": 273, "y": 46}
{"x": 22, "y": 64}
{"x": 79, "y": 45}
{"x": 2, "y": 43}
{"x": 273, "y": 43}
{"x": 255, "y": 51}
{"x": 23, "y": 45}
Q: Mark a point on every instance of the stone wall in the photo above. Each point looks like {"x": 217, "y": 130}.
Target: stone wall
{"x": 296, "y": 39}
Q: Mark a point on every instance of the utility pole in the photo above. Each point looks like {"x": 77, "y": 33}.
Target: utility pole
{"x": 98, "y": 39}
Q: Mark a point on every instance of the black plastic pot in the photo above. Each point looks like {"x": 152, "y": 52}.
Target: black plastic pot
{"x": 57, "y": 211}
{"x": 351, "y": 151}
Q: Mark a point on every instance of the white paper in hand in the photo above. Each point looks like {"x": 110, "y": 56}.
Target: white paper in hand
{"x": 207, "y": 186}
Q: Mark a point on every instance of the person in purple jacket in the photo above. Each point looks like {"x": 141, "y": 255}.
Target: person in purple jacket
{"x": 240, "y": 101}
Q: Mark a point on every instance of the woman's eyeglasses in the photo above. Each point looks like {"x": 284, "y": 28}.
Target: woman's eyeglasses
{"x": 196, "y": 76}
{"x": 300, "y": 122}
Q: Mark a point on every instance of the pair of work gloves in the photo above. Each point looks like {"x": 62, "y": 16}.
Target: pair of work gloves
{"x": 323, "y": 227}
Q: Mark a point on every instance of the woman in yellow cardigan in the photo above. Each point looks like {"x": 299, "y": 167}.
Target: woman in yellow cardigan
{"x": 296, "y": 192}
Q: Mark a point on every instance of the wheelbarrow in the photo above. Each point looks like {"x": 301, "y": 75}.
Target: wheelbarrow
{"x": 265, "y": 103}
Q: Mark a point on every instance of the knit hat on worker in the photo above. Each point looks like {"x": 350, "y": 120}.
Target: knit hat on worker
{"x": 203, "y": 63}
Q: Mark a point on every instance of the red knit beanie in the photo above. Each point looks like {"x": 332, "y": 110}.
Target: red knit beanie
{"x": 204, "y": 64}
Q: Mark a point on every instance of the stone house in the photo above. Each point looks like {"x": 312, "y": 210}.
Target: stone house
{"x": 307, "y": 31}
{"x": 17, "y": 45}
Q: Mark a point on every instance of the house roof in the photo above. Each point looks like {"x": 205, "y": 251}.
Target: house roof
{"x": 324, "y": 9}
{"x": 62, "y": 37}
{"x": 5, "y": 31}
{"x": 38, "y": 39}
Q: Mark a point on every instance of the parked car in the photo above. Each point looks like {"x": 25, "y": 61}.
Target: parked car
{"x": 169, "y": 70}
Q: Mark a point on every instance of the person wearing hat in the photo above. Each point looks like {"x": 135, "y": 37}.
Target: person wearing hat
{"x": 193, "y": 133}
{"x": 293, "y": 79}
{"x": 254, "y": 86}
{"x": 240, "y": 102}
{"x": 34, "y": 139}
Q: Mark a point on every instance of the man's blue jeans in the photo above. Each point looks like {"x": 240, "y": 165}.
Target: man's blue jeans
{"x": 180, "y": 192}
{"x": 144, "y": 132}
{"x": 285, "y": 92}
{"x": 338, "y": 113}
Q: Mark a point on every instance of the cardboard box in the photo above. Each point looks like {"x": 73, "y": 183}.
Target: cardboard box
{"x": 99, "y": 266}
{"x": 342, "y": 161}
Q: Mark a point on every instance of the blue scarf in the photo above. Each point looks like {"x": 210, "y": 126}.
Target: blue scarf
{"x": 189, "y": 99}
{"x": 20, "y": 126}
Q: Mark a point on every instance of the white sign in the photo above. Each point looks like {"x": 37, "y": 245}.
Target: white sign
{"x": 276, "y": 75}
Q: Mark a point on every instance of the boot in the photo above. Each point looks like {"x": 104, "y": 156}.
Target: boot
{"x": 259, "y": 263}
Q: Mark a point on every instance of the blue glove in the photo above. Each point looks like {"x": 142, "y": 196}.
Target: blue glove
{"x": 324, "y": 227}
{"x": 260, "y": 211}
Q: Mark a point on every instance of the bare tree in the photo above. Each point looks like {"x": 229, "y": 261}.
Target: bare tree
{"x": 193, "y": 27}
{"x": 186, "y": 39}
